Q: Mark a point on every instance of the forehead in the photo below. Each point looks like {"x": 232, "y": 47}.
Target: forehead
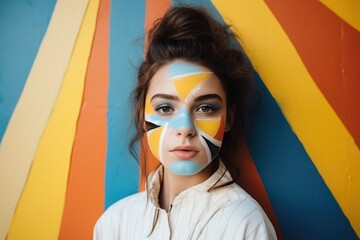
{"x": 179, "y": 68}
{"x": 163, "y": 80}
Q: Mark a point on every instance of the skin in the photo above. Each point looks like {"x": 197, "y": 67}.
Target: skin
{"x": 185, "y": 114}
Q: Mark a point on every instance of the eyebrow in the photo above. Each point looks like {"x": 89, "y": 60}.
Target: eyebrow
{"x": 207, "y": 97}
{"x": 197, "y": 99}
{"x": 165, "y": 96}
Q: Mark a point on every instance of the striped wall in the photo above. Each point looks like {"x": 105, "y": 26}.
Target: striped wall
{"x": 67, "y": 69}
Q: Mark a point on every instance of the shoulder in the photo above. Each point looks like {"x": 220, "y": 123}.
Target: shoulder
{"x": 122, "y": 206}
{"x": 243, "y": 216}
{"x": 114, "y": 216}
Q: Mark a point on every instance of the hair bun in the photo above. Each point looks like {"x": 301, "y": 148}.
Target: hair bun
{"x": 185, "y": 31}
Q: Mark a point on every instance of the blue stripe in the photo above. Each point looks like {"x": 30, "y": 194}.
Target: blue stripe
{"x": 126, "y": 52}
{"x": 22, "y": 27}
{"x": 304, "y": 206}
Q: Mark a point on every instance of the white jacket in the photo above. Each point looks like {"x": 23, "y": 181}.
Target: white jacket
{"x": 227, "y": 212}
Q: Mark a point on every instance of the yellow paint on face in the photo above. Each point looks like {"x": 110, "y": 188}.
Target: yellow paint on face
{"x": 185, "y": 85}
{"x": 148, "y": 108}
{"x": 212, "y": 127}
{"x": 154, "y": 140}
{"x": 208, "y": 126}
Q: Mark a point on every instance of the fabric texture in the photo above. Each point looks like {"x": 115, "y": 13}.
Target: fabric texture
{"x": 227, "y": 212}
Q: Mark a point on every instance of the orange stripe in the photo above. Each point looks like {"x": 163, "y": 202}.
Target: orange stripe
{"x": 155, "y": 9}
{"x": 85, "y": 193}
{"x": 249, "y": 179}
{"x": 330, "y": 50}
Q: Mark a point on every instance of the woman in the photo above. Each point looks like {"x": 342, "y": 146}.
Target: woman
{"x": 190, "y": 102}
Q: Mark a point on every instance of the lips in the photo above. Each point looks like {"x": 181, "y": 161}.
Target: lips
{"x": 184, "y": 152}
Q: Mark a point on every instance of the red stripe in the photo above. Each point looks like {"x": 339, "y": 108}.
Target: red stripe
{"x": 85, "y": 193}
{"x": 250, "y": 180}
{"x": 330, "y": 50}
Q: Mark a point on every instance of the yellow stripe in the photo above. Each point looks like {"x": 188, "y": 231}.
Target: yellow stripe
{"x": 326, "y": 140}
{"x": 348, "y": 10}
{"x": 39, "y": 212}
{"x": 32, "y": 112}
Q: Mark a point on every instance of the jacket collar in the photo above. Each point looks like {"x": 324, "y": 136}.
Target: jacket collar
{"x": 220, "y": 177}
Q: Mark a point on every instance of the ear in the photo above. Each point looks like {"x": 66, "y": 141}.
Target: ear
{"x": 230, "y": 117}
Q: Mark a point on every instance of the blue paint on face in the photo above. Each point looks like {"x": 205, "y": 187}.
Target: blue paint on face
{"x": 180, "y": 120}
{"x": 181, "y": 67}
{"x": 185, "y": 167}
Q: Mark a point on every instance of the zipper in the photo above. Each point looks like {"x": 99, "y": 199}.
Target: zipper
{"x": 169, "y": 223}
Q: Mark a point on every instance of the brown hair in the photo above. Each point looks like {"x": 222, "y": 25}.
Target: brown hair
{"x": 191, "y": 34}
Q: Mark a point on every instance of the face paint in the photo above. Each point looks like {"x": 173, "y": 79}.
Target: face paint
{"x": 187, "y": 79}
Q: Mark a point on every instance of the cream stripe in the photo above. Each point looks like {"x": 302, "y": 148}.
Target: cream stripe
{"x": 348, "y": 10}
{"x": 31, "y": 114}
{"x": 39, "y": 212}
{"x": 326, "y": 140}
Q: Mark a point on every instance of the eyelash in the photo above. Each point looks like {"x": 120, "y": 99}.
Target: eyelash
{"x": 161, "y": 109}
{"x": 166, "y": 109}
{"x": 212, "y": 108}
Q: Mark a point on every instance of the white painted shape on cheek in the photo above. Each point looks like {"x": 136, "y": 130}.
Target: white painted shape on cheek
{"x": 207, "y": 150}
{"x": 213, "y": 140}
{"x": 161, "y": 141}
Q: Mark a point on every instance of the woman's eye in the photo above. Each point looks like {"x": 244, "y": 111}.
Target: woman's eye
{"x": 164, "y": 109}
{"x": 207, "y": 108}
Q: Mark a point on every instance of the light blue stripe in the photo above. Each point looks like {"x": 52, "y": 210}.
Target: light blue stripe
{"x": 126, "y": 52}
{"x": 22, "y": 27}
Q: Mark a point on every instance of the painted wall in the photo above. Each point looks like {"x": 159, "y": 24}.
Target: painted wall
{"x": 66, "y": 71}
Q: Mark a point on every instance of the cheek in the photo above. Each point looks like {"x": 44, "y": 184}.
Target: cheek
{"x": 211, "y": 131}
{"x": 212, "y": 128}
{"x": 154, "y": 138}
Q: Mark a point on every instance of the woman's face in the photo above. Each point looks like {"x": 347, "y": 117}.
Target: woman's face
{"x": 185, "y": 116}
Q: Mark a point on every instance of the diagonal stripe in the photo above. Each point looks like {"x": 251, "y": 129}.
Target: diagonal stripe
{"x": 291, "y": 179}
{"x": 39, "y": 211}
{"x": 19, "y": 44}
{"x": 348, "y": 10}
{"x": 250, "y": 180}
{"x": 121, "y": 178}
{"x": 35, "y": 104}
{"x": 331, "y": 55}
{"x": 85, "y": 192}
{"x": 330, "y": 146}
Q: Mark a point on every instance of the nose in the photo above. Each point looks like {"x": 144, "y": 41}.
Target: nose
{"x": 186, "y": 131}
{"x": 184, "y": 124}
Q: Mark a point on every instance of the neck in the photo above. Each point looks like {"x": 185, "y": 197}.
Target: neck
{"x": 173, "y": 184}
